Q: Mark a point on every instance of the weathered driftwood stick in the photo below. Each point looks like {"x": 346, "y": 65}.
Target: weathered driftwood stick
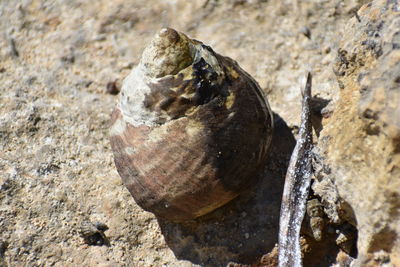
{"x": 296, "y": 189}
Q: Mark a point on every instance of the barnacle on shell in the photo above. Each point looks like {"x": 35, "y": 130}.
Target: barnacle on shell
{"x": 191, "y": 130}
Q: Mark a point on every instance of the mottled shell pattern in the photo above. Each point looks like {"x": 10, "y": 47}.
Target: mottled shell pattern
{"x": 191, "y": 130}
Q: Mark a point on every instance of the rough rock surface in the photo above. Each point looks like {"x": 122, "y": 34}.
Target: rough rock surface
{"x": 361, "y": 140}
{"x": 59, "y": 190}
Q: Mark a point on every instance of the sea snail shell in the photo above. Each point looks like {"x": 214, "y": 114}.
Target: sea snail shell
{"x": 191, "y": 130}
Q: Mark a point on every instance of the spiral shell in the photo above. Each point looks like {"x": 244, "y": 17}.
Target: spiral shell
{"x": 191, "y": 130}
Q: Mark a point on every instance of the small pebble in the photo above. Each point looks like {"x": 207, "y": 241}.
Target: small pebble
{"x": 93, "y": 234}
{"x": 327, "y": 49}
{"x": 306, "y": 32}
{"x": 13, "y": 48}
{"x": 3, "y": 247}
{"x": 112, "y": 88}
